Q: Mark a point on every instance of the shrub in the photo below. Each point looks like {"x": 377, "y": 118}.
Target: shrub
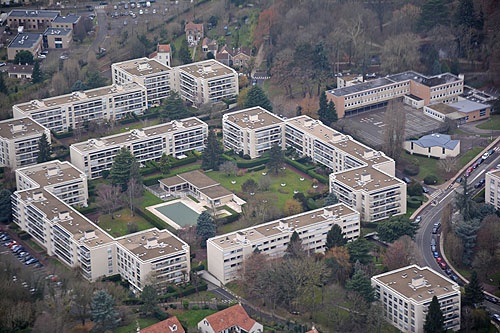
{"x": 195, "y": 307}
{"x": 160, "y": 315}
{"x": 415, "y": 189}
{"x": 105, "y": 174}
{"x": 185, "y": 304}
{"x": 173, "y": 306}
{"x": 257, "y": 168}
{"x": 411, "y": 170}
{"x": 252, "y": 163}
{"x": 24, "y": 235}
{"x": 322, "y": 179}
{"x": 298, "y": 165}
{"x": 222, "y": 306}
{"x": 430, "y": 180}
{"x": 414, "y": 202}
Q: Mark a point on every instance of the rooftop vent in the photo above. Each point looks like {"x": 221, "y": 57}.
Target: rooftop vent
{"x": 89, "y": 234}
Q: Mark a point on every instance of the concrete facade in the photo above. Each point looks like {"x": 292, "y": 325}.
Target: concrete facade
{"x": 27, "y": 41}
{"x": 19, "y": 142}
{"x": 434, "y": 145}
{"x": 405, "y": 295}
{"x": 492, "y": 188}
{"x": 57, "y": 38}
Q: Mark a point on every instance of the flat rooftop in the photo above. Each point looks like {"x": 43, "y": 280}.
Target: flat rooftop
{"x": 20, "y": 128}
{"x": 467, "y": 106}
{"x": 57, "y": 32}
{"x": 256, "y": 233}
{"x": 34, "y": 13}
{"x": 495, "y": 173}
{"x": 25, "y": 40}
{"x": 215, "y": 192}
{"x": 367, "y": 179}
{"x": 52, "y": 173}
{"x": 368, "y": 85}
{"x": 66, "y": 217}
{"x": 76, "y": 97}
{"x": 338, "y": 140}
{"x": 198, "y": 179}
{"x": 152, "y": 244}
{"x": 207, "y": 69}
{"x": 67, "y": 19}
{"x": 145, "y": 133}
{"x": 142, "y": 66}
{"x": 442, "y": 108}
{"x": 419, "y": 284}
{"x": 253, "y": 118}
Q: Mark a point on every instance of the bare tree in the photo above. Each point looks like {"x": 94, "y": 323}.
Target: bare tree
{"x": 82, "y": 293}
{"x": 71, "y": 72}
{"x": 394, "y": 130}
{"x": 402, "y": 252}
{"x": 449, "y": 164}
{"x": 108, "y": 198}
{"x": 400, "y": 53}
{"x": 59, "y": 85}
{"x": 229, "y": 168}
{"x": 133, "y": 193}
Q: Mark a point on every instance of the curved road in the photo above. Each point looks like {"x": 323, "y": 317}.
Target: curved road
{"x": 432, "y": 214}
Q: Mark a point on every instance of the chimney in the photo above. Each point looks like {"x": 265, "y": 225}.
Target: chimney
{"x": 254, "y": 117}
{"x": 152, "y": 242}
{"x": 64, "y": 215}
{"x": 52, "y": 172}
{"x": 241, "y": 237}
{"x": 368, "y": 154}
{"x": 38, "y": 195}
{"x": 365, "y": 177}
{"x": 89, "y": 234}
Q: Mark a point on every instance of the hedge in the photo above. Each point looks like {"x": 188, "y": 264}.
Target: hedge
{"x": 228, "y": 158}
{"x": 414, "y": 202}
{"x": 186, "y": 292}
{"x": 198, "y": 268}
{"x": 430, "y": 180}
{"x": 411, "y": 170}
{"x": 147, "y": 171}
{"x": 112, "y": 278}
{"x": 322, "y": 179}
{"x": 24, "y": 235}
{"x": 257, "y": 168}
{"x": 190, "y": 159}
{"x": 87, "y": 210}
{"x": 298, "y": 166}
{"x": 252, "y": 163}
{"x": 153, "y": 180}
{"x": 151, "y": 218}
{"x": 63, "y": 134}
{"x": 229, "y": 219}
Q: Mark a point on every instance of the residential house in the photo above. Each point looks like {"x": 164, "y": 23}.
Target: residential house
{"x": 234, "y": 56}
{"x": 162, "y": 54}
{"x": 434, "y": 145}
{"x": 194, "y": 33}
{"x": 209, "y": 45}
{"x": 170, "y": 325}
{"x": 20, "y": 71}
{"x": 232, "y": 319}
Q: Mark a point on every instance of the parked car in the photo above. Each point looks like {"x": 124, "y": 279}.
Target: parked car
{"x": 42, "y": 56}
{"x": 418, "y": 219}
{"x": 439, "y": 259}
{"x": 459, "y": 180}
{"x": 437, "y": 224}
{"x": 407, "y": 180}
{"x": 485, "y": 156}
{"x": 425, "y": 189}
{"x": 454, "y": 277}
{"x": 433, "y": 248}
{"x": 479, "y": 183}
{"x": 491, "y": 299}
{"x": 435, "y": 254}
{"x": 443, "y": 265}
{"x": 475, "y": 165}
{"x": 433, "y": 242}
{"x": 496, "y": 317}
{"x": 448, "y": 271}
{"x": 434, "y": 230}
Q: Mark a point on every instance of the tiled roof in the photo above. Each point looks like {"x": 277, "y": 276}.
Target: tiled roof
{"x": 233, "y": 316}
{"x": 163, "y": 48}
{"x": 193, "y": 26}
{"x": 170, "y": 325}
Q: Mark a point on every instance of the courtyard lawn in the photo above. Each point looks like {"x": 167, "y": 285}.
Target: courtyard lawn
{"x": 132, "y": 327}
{"x": 118, "y": 226}
{"x": 149, "y": 199}
{"x": 282, "y": 193}
{"x": 427, "y": 166}
{"x": 468, "y": 156}
{"x": 492, "y": 124}
{"x": 191, "y": 317}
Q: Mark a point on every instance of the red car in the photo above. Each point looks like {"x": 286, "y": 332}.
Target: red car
{"x": 439, "y": 259}
{"x": 443, "y": 265}
{"x": 12, "y": 244}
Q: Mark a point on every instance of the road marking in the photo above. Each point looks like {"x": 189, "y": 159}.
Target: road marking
{"x": 478, "y": 175}
{"x": 436, "y": 193}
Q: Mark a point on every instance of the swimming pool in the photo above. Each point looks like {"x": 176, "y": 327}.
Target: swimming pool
{"x": 177, "y": 212}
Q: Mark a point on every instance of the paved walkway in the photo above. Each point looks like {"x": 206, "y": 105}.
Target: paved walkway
{"x": 471, "y": 128}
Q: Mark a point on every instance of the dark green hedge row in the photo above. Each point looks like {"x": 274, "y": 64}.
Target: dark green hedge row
{"x": 257, "y": 168}
{"x": 87, "y": 210}
{"x": 198, "y": 268}
{"x": 151, "y": 218}
{"x": 252, "y": 163}
{"x": 153, "y": 180}
{"x": 229, "y": 219}
{"x": 414, "y": 202}
{"x": 190, "y": 159}
{"x": 24, "y": 235}
{"x": 63, "y": 134}
{"x": 186, "y": 292}
{"x": 322, "y": 179}
{"x": 298, "y": 165}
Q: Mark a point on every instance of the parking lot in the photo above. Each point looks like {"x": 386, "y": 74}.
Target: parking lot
{"x": 12, "y": 247}
{"x": 369, "y": 126}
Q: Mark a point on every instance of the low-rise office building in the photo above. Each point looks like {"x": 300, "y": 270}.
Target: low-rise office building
{"x": 406, "y": 293}
{"x": 152, "y": 74}
{"x": 227, "y": 252}
{"x": 492, "y": 188}
{"x": 417, "y": 89}
{"x": 205, "y": 82}
{"x": 463, "y": 111}
{"x": 66, "y": 22}
{"x": 26, "y": 41}
{"x": 62, "y": 179}
{"x": 174, "y": 138}
{"x": 434, "y": 145}
{"x": 252, "y": 131}
{"x": 57, "y": 38}
{"x": 19, "y": 140}
{"x": 79, "y": 243}
{"x": 34, "y": 20}
{"x": 61, "y": 113}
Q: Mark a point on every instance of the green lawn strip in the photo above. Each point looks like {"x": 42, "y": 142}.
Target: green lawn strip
{"x": 34, "y": 245}
{"x": 492, "y": 124}
{"x": 149, "y": 199}
{"x": 468, "y": 156}
{"x": 118, "y": 226}
{"x": 288, "y": 177}
{"x": 132, "y": 327}
{"x": 203, "y": 296}
{"x": 193, "y": 317}
{"x": 193, "y": 198}
{"x": 56, "y": 263}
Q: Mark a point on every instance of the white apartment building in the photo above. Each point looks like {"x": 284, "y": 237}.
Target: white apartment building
{"x": 19, "y": 141}
{"x": 362, "y": 178}
{"x": 62, "y": 179}
{"x": 78, "y": 242}
{"x": 406, "y": 293}
{"x": 174, "y": 138}
{"x": 252, "y": 131}
{"x": 205, "y": 82}
{"x": 227, "y": 252}
{"x": 61, "y": 113}
{"x": 492, "y": 188}
{"x": 152, "y": 74}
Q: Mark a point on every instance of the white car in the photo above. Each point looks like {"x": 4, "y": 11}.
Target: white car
{"x": 42, "y": 56}
{"x": 141, "y": 12}
{"x": 154, "y": 11}
{"x": 63, "y": 57}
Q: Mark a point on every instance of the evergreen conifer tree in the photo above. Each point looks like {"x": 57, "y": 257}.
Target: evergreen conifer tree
{"x": 120, "y": 172}
{"x": 36, "y": 76}
{"x": 257, "y": 97}
{"x": 104, "y": 314}
{"x": 434, "y": 321}
{"x": 276, "y": 159}
{"x": 5, "y": 205}
{"x": 473, "y": 291}
{"x": 205, "y": 227}
{"x": 44, "y": 149}
{"x": 164, "y": 164}
{"x": 211, "y": 158}
{"x": 361, "y": 284}
{"x": 334, "y": 237}
{"x": 3, "y": 87}
{"x": 331, "y": 199}
{"x": 323, "y": 106}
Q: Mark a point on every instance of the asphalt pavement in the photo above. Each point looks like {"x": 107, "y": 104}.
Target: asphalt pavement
{"x": 432, "y": 214}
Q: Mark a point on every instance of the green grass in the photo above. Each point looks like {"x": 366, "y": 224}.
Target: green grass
{"x": 427, "y": 166}
{"x": 290, "y": 178}
{"x": 56, "y": 263}
{"x": 118, "y": 226}
{"x": 468, "y": 156}
{"x": 492, "y": 124}
{"x": 132, "y": 328}
{"x": 193, "y": 317}
{"x": 34, "y": 245}
{"x": 149, "y": 199}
